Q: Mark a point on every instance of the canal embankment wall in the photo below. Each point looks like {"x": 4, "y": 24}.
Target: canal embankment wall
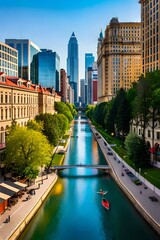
{"x": 117, "y": 176}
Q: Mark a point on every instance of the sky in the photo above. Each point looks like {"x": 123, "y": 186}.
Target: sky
{"x": 50, "y": 23}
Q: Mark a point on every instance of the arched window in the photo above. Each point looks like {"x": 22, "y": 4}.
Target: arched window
{"x": 2, "y": 117}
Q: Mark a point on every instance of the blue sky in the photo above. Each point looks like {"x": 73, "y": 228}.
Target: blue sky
{"x": 50, "y": 23}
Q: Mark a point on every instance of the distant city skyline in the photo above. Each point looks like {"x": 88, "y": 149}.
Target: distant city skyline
{"x": 49, "y": 24}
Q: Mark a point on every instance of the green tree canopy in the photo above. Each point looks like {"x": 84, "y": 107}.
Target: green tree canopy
{"x": 50, "y": 127}
{"x": 37, "y": 126}
{"x": 26, "y": 149}
{"x": 63, "y": 108}
{"x": 136, "y": 150}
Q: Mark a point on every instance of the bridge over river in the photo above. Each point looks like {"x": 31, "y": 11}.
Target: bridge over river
{"x": 106, "y": 168}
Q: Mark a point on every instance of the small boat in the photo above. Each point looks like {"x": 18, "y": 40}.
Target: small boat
{"x": 105, "y": 203}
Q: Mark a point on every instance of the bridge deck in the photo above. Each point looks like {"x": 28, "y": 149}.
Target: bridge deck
{"x": 105, "y": 167}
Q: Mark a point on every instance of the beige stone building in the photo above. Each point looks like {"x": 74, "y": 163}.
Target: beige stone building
{"x": 119, "y": 58}
{"x": 150, "y": 18}
{"x": 20, "y": 100}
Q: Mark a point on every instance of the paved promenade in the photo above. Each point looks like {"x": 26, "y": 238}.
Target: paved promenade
{"x": 20, "y": 210}
{"x": 139, "y": 194}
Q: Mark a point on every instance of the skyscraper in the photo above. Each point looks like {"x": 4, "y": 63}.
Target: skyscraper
{"x": 26, "y": 51}
{"x": 73, "y": 65}
{"x": 150, "y": 18}
{"x": 119, "y": 58}
{"x": 48, "y": 64}
{"x": 89, "y": 59}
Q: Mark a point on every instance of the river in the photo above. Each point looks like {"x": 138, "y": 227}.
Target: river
{"x": 73, "y": 209}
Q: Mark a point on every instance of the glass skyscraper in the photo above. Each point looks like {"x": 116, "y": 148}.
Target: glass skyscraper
{"x": 48, "y": 64}
{"x": 89, "y": 60}
{"x": 26, "y": 64}
{"x": 73, "y": 65}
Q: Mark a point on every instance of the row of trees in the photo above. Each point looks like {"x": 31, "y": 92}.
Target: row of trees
{"x": 31, "y": 147}
{"x": 140, "y": 106}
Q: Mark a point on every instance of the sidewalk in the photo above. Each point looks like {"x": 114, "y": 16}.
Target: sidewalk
{"x": 21, "y": 210}
{"x": 140, "y": 196}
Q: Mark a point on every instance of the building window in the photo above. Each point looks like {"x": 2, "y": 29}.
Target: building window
{"x": 1, "y": 113}
{"x": 14, "y": 98}
{"x": 1, "y": 97}
{"x": 6, "y": 98}
{"x": 139, "y": 132}
{"x": 6, "y": 113}
{"x": 158, "y": 135}
{"x": 149, "y": 133}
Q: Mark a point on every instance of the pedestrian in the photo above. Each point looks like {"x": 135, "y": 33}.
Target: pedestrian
{"x": 8, "y": 218}
{"x": 140, "y": 192}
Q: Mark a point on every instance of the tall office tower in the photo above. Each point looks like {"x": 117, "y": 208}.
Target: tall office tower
{"x": 8, "y": 60}
{"x": 119, "y": 58}
{"x": 150, "y": 11}
{"x": 48, "y": 63}
{"x": 92, "y": 84}
{"x": 26, "y": 51}
{"x": 73, "y": 65}
{"x": 82, "y": 91}
{"x": 89, "y": 59}
{"x": 64, "y": 85}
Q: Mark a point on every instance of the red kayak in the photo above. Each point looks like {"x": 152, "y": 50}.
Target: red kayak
{"x": 105, "y": 203}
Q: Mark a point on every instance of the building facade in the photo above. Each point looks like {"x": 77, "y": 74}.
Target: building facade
{"x": 82, "y": 92}
{"x": 73, "y": 66}
{"x": 20, "y": 101}
{"x": 119, "y": 58}
{"x": 64, "y": 85}
{"x": 150, "y": 18}
{"x": 89, "y": 59}
{"x": 48, "y": 68}
{"x": 26, "y": 61}
{"x": 8, "y": 60}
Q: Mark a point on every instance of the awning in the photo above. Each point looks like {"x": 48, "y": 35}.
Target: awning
{"x": 6, "y": 191}
{"x": 14, "y": 185}
{"x": 4, "y": 196}
{"x": 9, "y": 187}
{"x": 21, "y": 184}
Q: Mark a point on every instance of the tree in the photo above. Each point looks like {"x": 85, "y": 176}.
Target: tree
{"x": 63, "y": 123}
{"x": 50, "y": 127}
{"x": 99, "y": 113}
{"x": 61, "y": 107}
{"x": 109, "y": 120}
{"x": 123, "y": 115}
{"x": 26, "y": 149}
{"x": 142, "y": 102}
{"x": 37, "y": 126}
{"x": 136, "y": 150}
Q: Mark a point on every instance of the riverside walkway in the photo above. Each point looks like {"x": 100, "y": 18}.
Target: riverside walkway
{"x": 138, "y": 194}
{"x": 24, "y": 207}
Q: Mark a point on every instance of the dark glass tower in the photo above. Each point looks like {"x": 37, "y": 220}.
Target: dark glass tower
{"x": 48, "y": 63}
{"x": 72, "y": 65}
